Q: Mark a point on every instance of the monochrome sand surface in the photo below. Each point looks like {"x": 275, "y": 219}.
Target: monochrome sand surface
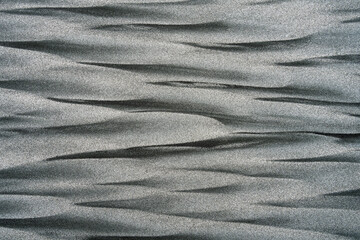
{"x": 193, "y": 119}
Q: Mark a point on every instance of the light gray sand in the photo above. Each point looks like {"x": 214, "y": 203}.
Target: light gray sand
{"x": 199, "y": 119}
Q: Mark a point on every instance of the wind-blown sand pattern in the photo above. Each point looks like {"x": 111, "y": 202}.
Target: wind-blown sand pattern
{"x": 179, "y": 119}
